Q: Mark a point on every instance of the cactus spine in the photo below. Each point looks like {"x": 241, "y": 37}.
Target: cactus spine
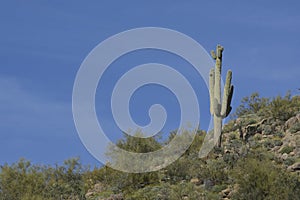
{"x": 218, "y": 110}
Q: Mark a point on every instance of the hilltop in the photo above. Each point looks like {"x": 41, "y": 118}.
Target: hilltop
{"x": 259, "y": 158}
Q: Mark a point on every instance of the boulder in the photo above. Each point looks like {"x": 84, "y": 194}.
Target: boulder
{"x": 225, "y": 192}
{"x": 99, "y": 187}
{"x": 294, "y": 167}
{"x": 284, "y": 156}
{"x": 292, "y": 153}
{"x": 196, "y": 181}
{"x": 89, "y": 194}
{"x": 293, "y": 120}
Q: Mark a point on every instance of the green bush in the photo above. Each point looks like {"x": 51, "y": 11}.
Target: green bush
{"x": 278, "y": 142}
{"x": 218, "y": 188}
{"x": 281, "y": 108}
{"x": 268, "y": 143}
{"x": 287, "y": 149}
{"x": 285, "y": 107}
{"x": 215, "y": 171}
{"x": 232, "y": 136}
{"x": 166, "y": 191}
{"x": 230, "y": 126}
{"x": 279, "y": 134}
{"x": 154, "y": 192}
{"x": 289, "y": 161}
{"x": 261, "y": 180}
{"x": 22, "y": 180}
{"x": 295, "y": 128}
{"x": 267, "y": 130}
{"x": 252, "y": 105}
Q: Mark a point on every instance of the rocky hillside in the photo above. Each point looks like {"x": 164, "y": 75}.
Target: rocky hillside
{"x": 259, "y": 159}
{"x": 278, "y": 140}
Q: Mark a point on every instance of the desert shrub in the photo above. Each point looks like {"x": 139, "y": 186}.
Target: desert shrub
{"x": 267, "y": 130}
{"x": 260, "y": 154}
{"x": 218, "y": 188}
{"x": 251, "y": 105}
{"x": 211, "y": 196}
{"x": 260, "y": 180}
{"x": 289, "y": 161}
{"x": 278, "y": 142}
{"x": 279, "y": 134}
{"x": 250, "y": 119}
{"x": 258, "y": 137}
{"x": 179, "y": 170}
{"x": 153, "y": 192}
{"x": 215, "y": 172}
{"x": 295, "y": 128}
{"x": 22, "y": 180}
{"x": 137, "y": 143}
{"x": 16, "y": 180}
{"x": 253, "y": 143}
{"x": 268, "y": 143}
{"x": 281, "y": 108}
{"x": 232, "y": 136}
{"x": 218, "y": 150}
{"x": 287, "y": 149}
{"x": 230, "y": 126}
{"x": 236, "y": 144}
{"x": 185, "y": 190}
{"x": 230, "y": 159}
{"x": 166, "y": 191}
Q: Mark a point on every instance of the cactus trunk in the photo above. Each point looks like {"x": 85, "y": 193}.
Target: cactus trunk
{"x": 218, "y": 110}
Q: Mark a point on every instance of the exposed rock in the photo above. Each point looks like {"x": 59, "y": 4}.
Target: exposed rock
{"x": 225, "y": 192}
{"x": 95, "y": 190}
{"x": 196, "y": 181}
{"x": 115, "y": 197}
{"x": 292, "y": 153}
{"x": 294, "y": 167}
{"x": 290, "y": 140}
{"x": 293, "y": 120}
{"x": 98, "y": 187}
{"x": 252, "y": 129}
{"x": 276, "y": 148}
{"x": 284, "y": 156}
{"x": 185, "y": 197}
{"x": 89, "y": 194}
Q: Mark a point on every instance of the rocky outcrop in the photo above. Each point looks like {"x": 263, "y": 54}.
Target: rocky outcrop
{"x": 293, "y": 120}
{"x": 98, "y": 188}
{"x": 294, "y": 167}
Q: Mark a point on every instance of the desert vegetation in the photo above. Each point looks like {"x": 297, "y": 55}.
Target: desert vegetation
{"x": 259, "y": 159}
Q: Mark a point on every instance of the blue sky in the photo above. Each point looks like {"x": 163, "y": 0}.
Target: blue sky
{"x": 42, "y": 44}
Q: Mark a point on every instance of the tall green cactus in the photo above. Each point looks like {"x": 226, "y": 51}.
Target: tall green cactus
{"x": 218, "y": 110}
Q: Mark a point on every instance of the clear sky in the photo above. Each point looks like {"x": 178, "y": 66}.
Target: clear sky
{"x": 42, "y": 44}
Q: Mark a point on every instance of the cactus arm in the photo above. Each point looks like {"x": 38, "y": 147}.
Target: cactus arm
{"x": 229, "y": 108}
{"x": 226, "y": 94}
{"x": 213, "y": 54}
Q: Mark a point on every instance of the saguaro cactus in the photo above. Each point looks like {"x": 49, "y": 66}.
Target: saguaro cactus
{"x": 218, "y": 110}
